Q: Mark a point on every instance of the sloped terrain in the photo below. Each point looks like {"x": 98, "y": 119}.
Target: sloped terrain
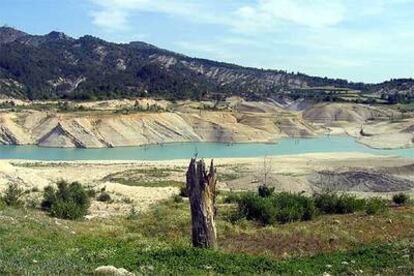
{"x": 96, "y": 130}
{"x": 355, "y": 113}
{"x": 360, "y": 181}
{"x": 56, "y": 66}
{"x": 146, "y": 121}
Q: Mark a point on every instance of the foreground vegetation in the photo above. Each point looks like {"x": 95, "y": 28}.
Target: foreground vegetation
{"x": 269, "y": 208}
{"x": 158, "y": 242}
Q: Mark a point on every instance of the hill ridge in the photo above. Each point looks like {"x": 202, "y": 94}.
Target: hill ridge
{"x": 57, "y": 66}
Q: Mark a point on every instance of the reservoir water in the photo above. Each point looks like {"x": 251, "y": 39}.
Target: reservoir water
{"x": 286, "y": 146}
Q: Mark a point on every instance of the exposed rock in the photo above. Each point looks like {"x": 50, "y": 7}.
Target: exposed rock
{"x": 111, "y": 271}
{"x": 323, "y": 113}
{"x": 94, "y": 130}
{"x": 104, "y": 124}
{"x": 360, "y": 181}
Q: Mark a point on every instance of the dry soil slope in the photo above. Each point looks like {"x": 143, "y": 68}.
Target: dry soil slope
{"x": 96, "y": 130}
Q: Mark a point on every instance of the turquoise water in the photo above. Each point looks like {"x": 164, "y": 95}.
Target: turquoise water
{"x": 187, "y": 150}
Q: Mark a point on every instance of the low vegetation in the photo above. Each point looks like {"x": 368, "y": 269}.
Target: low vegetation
{"x": 158, "y": 242}
{"x": 68, "y": 201}
{"x": 376, "y": 206}
{"x": 103, "y": 197}
{"x": 265, "y": 191}
{"x": 151, "y": 177}
{"x": 59, "y": 106}
{"x": 267, "y": 207}
{"x": 401, "y": 199}
{"x": 332, "y": 203}
{"x": 138, "y": 108}
{"x": 12, "y": 196}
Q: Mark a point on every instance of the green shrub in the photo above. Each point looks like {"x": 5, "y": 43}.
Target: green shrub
{"x": 178, "y": 199}
{"x": 68, "y": 201}
{"x": 376, "y": 205}
{"x": 265, "y": 191}
{"x": 90, "y": 192}
{"x": 282, "y": 208}
{"x": 133, "y": 214}
{"x": 326, "y": 202}
{"x": 401, "y": 199}
{"x": 232, "y": 198}
{"x": 32, "y": 203}
{"x": 348, "y": 204}
{"x": 12, "y": 196}
{"x": 49, "y": 197}
{"x": 103, "y": 197}
{"x": 292, "y": 207}
{"x": 330, "y": 203}
{"x": 254, "y": 207}
{"x": 184, "y": 191}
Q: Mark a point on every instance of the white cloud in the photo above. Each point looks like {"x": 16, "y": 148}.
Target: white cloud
{"x": 264, "y": 14}
{"x": 315, "y": 36}
{"x": 110, "y": 19}
{"x": 268, "y": 13}
{"x": 113, "y": 15}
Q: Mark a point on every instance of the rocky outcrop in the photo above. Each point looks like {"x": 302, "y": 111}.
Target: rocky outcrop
{"x": 100, "y": 129}
{"x": 359, "y": 181}
{"x": 231, "y": 121}
{"x": 355, "y": 113}
{"x": 111, "y": 271}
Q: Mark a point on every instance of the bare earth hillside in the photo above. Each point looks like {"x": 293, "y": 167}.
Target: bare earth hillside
{"x": 131, "y": 123}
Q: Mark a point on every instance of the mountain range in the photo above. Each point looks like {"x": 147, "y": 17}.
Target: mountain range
{"x": 57, "y": 66}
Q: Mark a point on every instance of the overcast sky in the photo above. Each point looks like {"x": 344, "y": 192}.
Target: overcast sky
{"x": 360, "y": 40}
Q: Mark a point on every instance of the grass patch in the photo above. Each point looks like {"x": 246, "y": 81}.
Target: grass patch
{"x": 152, "y": 177}
{"x": 150, "y": 183}
{"x": 34, "y": 244}
{"x": 228, "y": 176}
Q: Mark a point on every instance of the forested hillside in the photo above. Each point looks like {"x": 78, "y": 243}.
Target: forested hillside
{"x": 56, "y": 66}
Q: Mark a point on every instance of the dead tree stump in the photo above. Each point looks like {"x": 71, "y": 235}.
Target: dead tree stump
{"x": 201, "y": 187}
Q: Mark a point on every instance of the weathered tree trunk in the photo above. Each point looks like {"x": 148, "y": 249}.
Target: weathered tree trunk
{"x": 201, "y": 187}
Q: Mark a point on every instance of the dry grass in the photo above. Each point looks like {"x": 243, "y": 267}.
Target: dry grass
{"x": 324, "y": 234}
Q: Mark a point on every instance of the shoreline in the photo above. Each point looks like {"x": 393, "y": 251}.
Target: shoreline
{"x": 276, "y": 141}
{"x": 319, "y": 155}
{"x": 133, "y": 179}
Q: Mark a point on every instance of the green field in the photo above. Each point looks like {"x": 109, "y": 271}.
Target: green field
{"x": 158, "y": 242}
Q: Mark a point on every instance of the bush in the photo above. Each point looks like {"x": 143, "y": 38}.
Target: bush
{"x": 90, "y": 192}
{"x": 69, "y": 201}
{"x": 12, "y": 196}
{"x": 326, "y": 202}
{"x": 330, "y": 203}
{"x": 103, "y": 197}
{"x": 257, "y": 208}
{"x": 293, "y": 207}
{"x": 282, "y": 208}
{"x": 348, "y": 204}
{"x": 183, "y": 191}
{"x": 376, "y": 206}
{"x": 32, "y": 203}
{"x": 232, "y": 198}
{"x": 177, "y": 199}
{"x": 265, "y": 191}
{"x": 401, "y": 199}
